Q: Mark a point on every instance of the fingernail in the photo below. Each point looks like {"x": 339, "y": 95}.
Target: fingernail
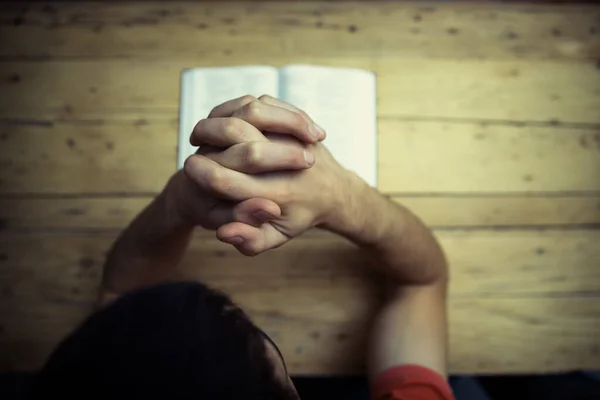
{"x": 321, "y": 131}
{"x": 314, "y": 132}
{"x": 309, "y": 158}
{"x": 234, "y": 240}
{"x": 263, "y": 216}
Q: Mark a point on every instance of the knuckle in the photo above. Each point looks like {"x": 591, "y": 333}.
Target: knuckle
{"x": 233, "y": 129}
{"x": 263, "y": 97}
{"x": 214, "y": 110}
{"x": 214, "y": 179}
{"x": 188, "y": 165}
{"x": 305, "y": 115}
{"x": 252, "y": 154}
{"x": 252, "y": 110}
{"x": 248, "y": 98}
{"x": 301, "y": 122}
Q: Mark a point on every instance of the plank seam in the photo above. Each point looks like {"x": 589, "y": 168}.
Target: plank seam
{"x": 49, "y": 123}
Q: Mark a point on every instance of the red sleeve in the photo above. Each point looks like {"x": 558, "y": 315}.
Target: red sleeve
{"x": 411, "y": 382}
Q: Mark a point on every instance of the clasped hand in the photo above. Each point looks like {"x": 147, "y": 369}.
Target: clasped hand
{"x": 261, "y": 176}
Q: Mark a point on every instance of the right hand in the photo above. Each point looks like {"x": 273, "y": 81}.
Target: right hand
{"x": 307, "y": 198}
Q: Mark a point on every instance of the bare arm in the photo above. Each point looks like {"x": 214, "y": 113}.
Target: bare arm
{"x": 411, "y": 327}
{"x": 148, "y": 249}
{"x": 153, "y": 244}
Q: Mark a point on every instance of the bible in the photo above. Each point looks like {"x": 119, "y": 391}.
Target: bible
{"x": 341, "y": 100}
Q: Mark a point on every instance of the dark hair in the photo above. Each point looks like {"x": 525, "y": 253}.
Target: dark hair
{"x": 179, "y": 340}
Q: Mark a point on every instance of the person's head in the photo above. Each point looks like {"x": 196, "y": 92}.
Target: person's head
{"x": 179, "y": 340}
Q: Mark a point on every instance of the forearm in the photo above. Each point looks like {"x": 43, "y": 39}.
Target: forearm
{"x": 148, "y": 250}
{"x": 401, "y": 244}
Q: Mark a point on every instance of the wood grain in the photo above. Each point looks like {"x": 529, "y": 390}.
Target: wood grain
{"x": 314, "y": 294}
{"x": 92, "y": 213}
{"x": 515, "y": 90}
{"x": 88, "y": 158}
{"x": 488, "y": 120}
{"x": 547, "y": 91}
{"x": 414, "y": 157}
{"x": 305, "y": 29}
{"x": 532, "y": 262}
{"x": 433, "y": 157}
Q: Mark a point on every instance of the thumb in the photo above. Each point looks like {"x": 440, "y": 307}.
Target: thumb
{"x": 254, "y": 212}
{"x": 251, "y": 240}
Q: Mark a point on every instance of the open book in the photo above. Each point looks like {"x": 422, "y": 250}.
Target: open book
{"x": 341, "y": 100}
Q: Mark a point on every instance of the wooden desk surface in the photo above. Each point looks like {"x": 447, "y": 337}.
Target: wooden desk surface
{"x": 489, "y": 128}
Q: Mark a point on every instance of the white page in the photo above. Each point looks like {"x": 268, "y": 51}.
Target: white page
{"x": 344, "y": 102}
{"x": 204, "y": 88}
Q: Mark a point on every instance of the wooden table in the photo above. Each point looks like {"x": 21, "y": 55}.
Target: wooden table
{"x": 489, "y": 128}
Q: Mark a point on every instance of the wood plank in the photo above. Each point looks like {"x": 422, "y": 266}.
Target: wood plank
{"x": 472, "y": 89}
{"x": 128, "y": 158}
{"x": 98, "y": 117}
{"x": 488, "y": 89}
{"x": 501, "y": 211}
{"x": 483, "y": 262}
{"x": 526, "y": 335}
{"x": 437, "y": 212}
{"x": 433, "y": 157}
{"x": 506, "y": 314}
{"x": 415, "y": 157}
{"x": 177, "y": 29}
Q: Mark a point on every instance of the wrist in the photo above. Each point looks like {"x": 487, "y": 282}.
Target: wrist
{"x": 173, "y": 200}
{"x": 360, "y": 213}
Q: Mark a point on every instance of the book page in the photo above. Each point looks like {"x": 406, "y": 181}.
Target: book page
{"x": 204, "y": 88}
{"x": 343, "y": 101}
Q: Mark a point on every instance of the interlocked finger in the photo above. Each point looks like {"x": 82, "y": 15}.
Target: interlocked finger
{"x": 224, "y": 132}
{"x": 260, "y": 157}
{"x": 223, "y": 182}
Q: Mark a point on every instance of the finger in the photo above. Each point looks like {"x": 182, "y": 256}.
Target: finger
{"x": 224, "y": 132}
{"x": 220, "y": 181}
{"x": 254, "y": 212}
{"x": 265, "y": 98}
{"x": 266, "y": 117}
{"x": 229, "y": 107}
{"x": 250, "y": 240}
{"x": 259, "y": 157}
